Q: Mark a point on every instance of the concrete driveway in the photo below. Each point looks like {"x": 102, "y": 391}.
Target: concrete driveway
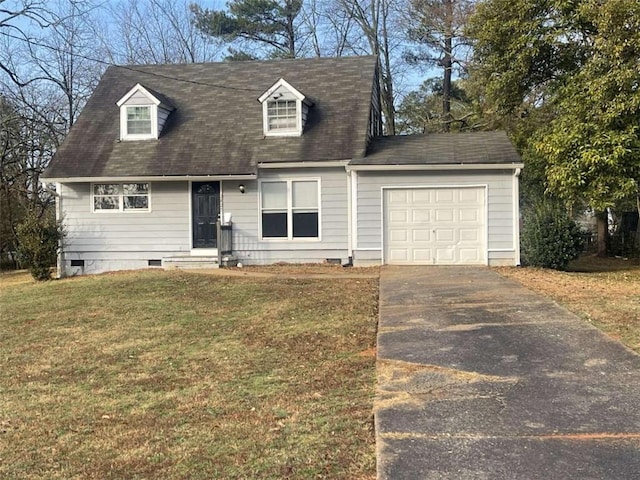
{"x": 480, "y": 378}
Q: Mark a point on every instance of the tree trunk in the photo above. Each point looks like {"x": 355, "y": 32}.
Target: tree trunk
{"x": 447, "y": 65}
{"x": 603, "y": 233}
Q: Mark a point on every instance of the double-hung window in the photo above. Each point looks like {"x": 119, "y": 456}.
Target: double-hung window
{"x": 139, "y": 120}
{"x": 119, "y": 197}
{"x": 282, "y": 116}
{"x": 290, "y": 209}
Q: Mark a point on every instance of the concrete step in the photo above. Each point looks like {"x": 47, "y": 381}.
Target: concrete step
{"x": 188, "y": 261}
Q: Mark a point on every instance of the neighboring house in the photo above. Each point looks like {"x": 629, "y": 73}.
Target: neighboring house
{"x": 291, "y": 152}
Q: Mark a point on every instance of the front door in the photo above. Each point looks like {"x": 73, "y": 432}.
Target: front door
{"x": 206, "y": 208}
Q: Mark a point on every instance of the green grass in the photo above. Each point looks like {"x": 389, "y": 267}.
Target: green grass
{"x": 177, "y": 375}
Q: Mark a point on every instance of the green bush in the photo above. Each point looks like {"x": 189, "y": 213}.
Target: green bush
{"x": 38, "y": 244}
{"x": 550, "y": 238}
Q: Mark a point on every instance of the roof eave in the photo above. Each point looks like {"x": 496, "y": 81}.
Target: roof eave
{"x": 438, "y": 166}
{"x": 149, "y": 178}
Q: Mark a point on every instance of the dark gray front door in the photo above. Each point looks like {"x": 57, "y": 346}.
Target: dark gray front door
{"x": 206, "y": 208}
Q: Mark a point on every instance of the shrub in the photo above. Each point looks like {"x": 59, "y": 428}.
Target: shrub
{"x": 550, "y": 238}
{"x": 38, "y": 244}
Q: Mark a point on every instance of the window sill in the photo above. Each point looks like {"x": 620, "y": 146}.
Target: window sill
{"x": 290, "y": 240}
{"x": 137, "y": 211}
{"x": 130, "y": 138}
{"x": 287, "y": 133}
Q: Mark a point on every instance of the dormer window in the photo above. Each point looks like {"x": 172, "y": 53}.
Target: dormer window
{"x": 284, "y": 110}
{"x": 139, "y": 120}
{"x": 143, "y": 114}
{"x": 282, "y": 115}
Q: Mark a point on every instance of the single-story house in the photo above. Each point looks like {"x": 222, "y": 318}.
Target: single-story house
{"x": 289, "y": 155}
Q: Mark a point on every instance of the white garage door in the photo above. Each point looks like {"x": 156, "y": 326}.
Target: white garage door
{"x": 435, "y": 226}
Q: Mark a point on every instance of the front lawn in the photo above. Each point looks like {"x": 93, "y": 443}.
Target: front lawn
{"x": 603, "y": 291}
{"x": 178, "y": 375}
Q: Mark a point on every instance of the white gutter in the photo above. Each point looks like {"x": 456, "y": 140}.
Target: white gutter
{"x": 442, "y": 166}
{"x": 161, "y": 178}
{"x": 328, "y": 164}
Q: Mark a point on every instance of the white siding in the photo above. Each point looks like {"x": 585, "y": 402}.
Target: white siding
{"x": 122, "y": 240}
{"x": 128, "y": 240}
{"x": 501, "y": 242}
{"x": 244, "y": 209}
{"x": 138, "y": 98}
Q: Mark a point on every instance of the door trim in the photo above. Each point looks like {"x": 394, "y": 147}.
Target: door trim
{"x": 199, "y": 252}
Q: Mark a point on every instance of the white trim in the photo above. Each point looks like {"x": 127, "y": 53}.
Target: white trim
{"x": 124, "y": 124}
{"x": 408, "y": 187}
{"x": 441, "y": 166}
{"x": 298, "y": 97}
{"x": 368, "y": 249}
{"x": 121, "y": 196}
{"x": 320, "y": 164}
{"x": 516, "y": 215}
{"x": 283, "y": 132}
{"x": 281, "y": 83}
{"x": 349, "y": 216}
{"x": 144, "y": 91}
{"x": 176, "y": 178}
{"x": 190, "y": 195}
{"x": 354, "y": 209}
{"x": 486, "y": 223}
{"x": 501, "y": 250}
{"x": 59, "y": 216}
{"x": 290, "y": 237}
{"x": 200, "y": 251}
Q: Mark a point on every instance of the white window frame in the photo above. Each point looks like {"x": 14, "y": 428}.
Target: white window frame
{"x": 290, "y": 237}
{"x": 282, "y": 90}
{"x": 152, "y": 102}
{"x": 124, "y": 123}
{"x": 282, "y": 132}
{"x": 121, "y": 196}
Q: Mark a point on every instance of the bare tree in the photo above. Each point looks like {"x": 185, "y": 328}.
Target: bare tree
{"x": 155, "y": 31}
{"x": 327, "y": 29}
{"x": 437, "y": 27}
{"x": 46, "y": 76}
{"x": 376, "y": 20}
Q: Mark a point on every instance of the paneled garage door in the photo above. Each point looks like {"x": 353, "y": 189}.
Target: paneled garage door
{"x": 435, "y": 226}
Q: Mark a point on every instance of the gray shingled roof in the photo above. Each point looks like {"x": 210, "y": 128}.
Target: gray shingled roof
{"x": 441, "y": 149}
{"x": 218, "y": 131}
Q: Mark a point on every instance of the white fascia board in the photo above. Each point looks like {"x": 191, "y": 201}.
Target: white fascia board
{"x": 139, "y": 88}
{"x": 443, "y": 166}
{"x": 283, "y": 83}
{"x": 328, "y": 164}
{"x": 171, "y": 178}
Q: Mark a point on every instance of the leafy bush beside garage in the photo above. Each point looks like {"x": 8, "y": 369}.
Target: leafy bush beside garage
{"x": 550, "y": 238}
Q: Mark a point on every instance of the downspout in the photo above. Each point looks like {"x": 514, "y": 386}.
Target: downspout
{"x": 349, "y": 221}
{"x": 516, "y": 214}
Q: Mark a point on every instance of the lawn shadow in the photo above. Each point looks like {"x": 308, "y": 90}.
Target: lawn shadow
{"x": 591, "y": 263}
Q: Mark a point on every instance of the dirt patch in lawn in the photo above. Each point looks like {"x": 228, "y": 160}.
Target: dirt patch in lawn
{"x": 605, "y": 292}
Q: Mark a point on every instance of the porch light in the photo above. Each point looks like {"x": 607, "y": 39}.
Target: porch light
{"x": 241, "y": 188}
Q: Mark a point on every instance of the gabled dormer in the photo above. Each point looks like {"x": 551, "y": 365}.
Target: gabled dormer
{"x": 143, "y": 114}
{"x": 284, "y": 110}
